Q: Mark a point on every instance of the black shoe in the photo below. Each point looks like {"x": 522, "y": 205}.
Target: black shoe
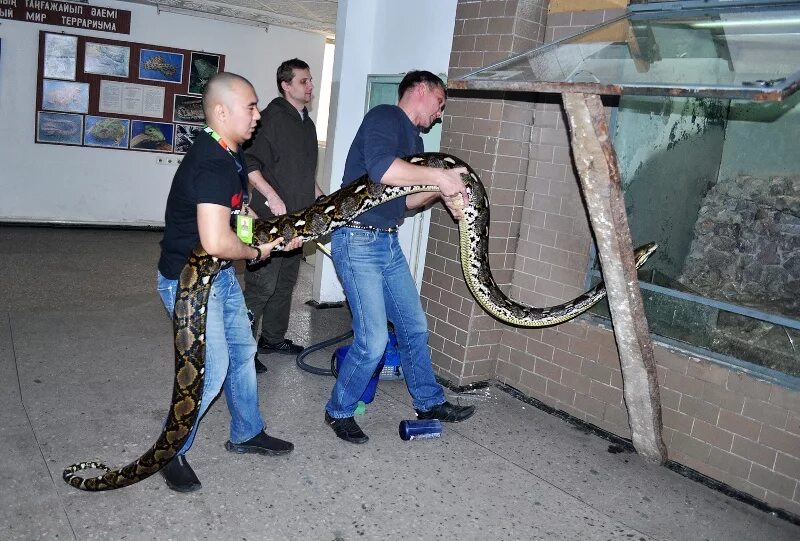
{"x": 180, "y": 476}
{"x": 447, "y": 412}
{"x": 260, "y": 367}
{"x": 346, "y": 428}
{"x": 261, "y": 444}
{"x": 285, "y": 348}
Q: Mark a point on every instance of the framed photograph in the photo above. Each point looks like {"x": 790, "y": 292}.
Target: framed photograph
{"x": 65, "y": 96}
{"x": 201, "y": 68}
{"x": 102, "y": 131}
{"x": 59, "y": 128}
{"x": 188, "y": 109}
{"x": 160, "y": 66}
{"x": 151, "y": 136}
{"x": 60, "y": 56}
{"x": 102, "y": 59}
{"x": 184, "y": 136}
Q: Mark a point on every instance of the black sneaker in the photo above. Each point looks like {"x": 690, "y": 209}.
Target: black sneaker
{"x": 261, "y": 444}
{"x": 180, "y": 476}
{"x": 260, "y": 367}
{"x": 447, "y": 412}
{"x": 286, "y": 347}
{"x": 346, "y": 428}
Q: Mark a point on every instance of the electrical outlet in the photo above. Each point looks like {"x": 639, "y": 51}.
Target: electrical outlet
{"x": 168, "y": 160}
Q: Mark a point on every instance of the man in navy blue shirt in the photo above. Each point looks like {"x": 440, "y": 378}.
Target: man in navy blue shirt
{"x": 370, "y": 263}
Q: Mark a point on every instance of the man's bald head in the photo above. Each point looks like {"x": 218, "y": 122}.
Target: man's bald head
{"x": 230, "y": 105}
{"x": 219, "y": 90}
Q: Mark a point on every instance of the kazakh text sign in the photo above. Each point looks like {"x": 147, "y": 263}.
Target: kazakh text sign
{"x": 67, "y": 14}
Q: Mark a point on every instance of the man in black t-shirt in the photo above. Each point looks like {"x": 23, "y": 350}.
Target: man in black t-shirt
{"x": 207, "y": 193}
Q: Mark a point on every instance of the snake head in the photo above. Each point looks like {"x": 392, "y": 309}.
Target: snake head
{"x": 643, "y": 252}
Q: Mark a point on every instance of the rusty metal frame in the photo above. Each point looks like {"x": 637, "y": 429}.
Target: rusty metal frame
{"x": 754, "y": 93}
{"x": 598, "y": 171}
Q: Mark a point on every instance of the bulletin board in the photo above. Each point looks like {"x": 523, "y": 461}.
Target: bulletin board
{"x": 104, "y": 93}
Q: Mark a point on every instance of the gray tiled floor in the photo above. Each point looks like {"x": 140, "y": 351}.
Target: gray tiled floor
{"x": 86, "y": 372}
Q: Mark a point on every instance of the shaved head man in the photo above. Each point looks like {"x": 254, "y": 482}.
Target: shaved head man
{"x": 204, "y": 204}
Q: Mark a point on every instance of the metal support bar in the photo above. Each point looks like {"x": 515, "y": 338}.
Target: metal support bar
{"x": 598, "y": 170}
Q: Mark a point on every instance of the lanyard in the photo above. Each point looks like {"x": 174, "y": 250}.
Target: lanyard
{"x": 216, "y": 137}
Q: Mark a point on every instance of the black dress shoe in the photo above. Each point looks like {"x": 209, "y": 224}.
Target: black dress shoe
{"x": 447, "y": 413}
{"x": 260, "y": 367}
{"x": 346, "y": 428}
{"x": 286, "y": 347}
{"x": 261, "y": 444}
{"x": 180, "y": 476}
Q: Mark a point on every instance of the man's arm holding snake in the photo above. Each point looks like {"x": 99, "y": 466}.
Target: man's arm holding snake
{"x": 218, "y": 239}
{"x": 451, "y": 186}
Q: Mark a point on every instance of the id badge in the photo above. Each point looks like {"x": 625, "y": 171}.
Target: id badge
{"x": 244, "y": 228}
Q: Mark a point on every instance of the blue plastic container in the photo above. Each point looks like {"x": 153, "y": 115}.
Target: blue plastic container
{"x": 419, "y": 429}
{"x": 388, "y": 369}
{"x": 391, "y": 360}
{"x": 369, "y": 393}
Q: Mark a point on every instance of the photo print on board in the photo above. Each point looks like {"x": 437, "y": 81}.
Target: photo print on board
{"x": 59, "y": 128}
{"x": 102, "y": 131}
{"x": 102, "y": 59}
{"x": 151, "y": 136}
{"x": 202, "y": 67}
{"x": 60, "y": 56}
{"x": 184, "y": 136}
{"x": 160, "y": 66}
{"x": 188, "y": 109}
{"x": 65, "y": 96}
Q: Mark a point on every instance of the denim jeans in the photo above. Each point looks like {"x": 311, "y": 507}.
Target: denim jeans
{"x": 230, "y": 349}
{"x": 379, "y": 287}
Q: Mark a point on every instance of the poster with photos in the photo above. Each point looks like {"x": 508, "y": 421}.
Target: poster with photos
{"x": 65, "y": 96}
{"x": 103, "y": 59}
{"x": 59, "y": 128}
{"x": 60, "y": 56}
{"x": 151, "y": 136}
{"x": 160, "y": 66}
{"x": 92, "y": 91}
{"x": 184, "y": 136}
{"x": 102, "y": 131}
{"x": 188, "y": 109}
{"x": 201, "y": 68}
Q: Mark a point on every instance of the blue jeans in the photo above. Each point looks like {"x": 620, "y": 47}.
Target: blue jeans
{"x": 379, "y": 287}
{"x": 230, "y": 349}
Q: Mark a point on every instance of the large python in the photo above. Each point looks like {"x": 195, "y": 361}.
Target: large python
{"x": 327, "y": 214}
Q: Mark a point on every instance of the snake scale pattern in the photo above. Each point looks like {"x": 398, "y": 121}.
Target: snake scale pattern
{"x": 327, "y": 214}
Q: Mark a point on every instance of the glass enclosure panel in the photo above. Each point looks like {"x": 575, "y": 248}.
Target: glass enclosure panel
{"x": 725, "y": 52}
{"x": 717, "y": 184}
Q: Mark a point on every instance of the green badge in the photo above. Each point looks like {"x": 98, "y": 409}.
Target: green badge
{"x": 244, "y": 228}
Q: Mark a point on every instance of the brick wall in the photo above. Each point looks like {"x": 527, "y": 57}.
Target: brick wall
{"x": 493, "y": 136}
{"x": 719, "y": 421}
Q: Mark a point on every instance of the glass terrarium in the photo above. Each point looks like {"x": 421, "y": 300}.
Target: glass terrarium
{"x": 705, "y": 130}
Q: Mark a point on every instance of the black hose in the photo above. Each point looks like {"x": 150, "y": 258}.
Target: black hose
{"x": 316, "y": 347}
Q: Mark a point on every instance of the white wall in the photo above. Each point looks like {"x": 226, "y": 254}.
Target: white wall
{"x": 376, "y": 37}
{"x": 51, "y": 183}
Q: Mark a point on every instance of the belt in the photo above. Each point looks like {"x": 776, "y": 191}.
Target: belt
{"x": 358, "y": 225}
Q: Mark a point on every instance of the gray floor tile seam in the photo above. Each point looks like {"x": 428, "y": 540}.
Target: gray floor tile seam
{"x": 30, "y": 428}
{"x": 42, "y": 302}
{"x": 453, "y": 428}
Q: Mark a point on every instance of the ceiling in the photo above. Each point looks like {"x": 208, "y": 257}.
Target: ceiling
{"x": 318, "y": 16}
